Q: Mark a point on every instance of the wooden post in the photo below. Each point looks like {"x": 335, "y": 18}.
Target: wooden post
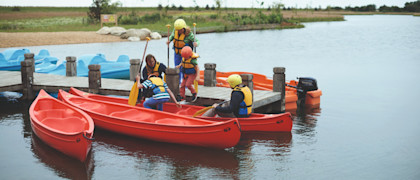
{"x": 71, "y": 66}
{"x": 134, "y": 68}
{"x": 27, "y": 75}
{"x": 279, "y": 85}
{"x": 30, "y": 57}
{"x": 210, "y": 75}
{"x": 94, "y": 78}
{"x": 172, "y": 79}
{"x": 247, "y": 81}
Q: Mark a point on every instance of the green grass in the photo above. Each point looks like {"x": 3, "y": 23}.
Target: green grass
{"x": 44, "y": 9}
{"x": 205, "y": 19}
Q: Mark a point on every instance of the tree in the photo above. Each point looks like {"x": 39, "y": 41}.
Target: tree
{"x": 101, "y": 7}
{"x": 412, "y": 6}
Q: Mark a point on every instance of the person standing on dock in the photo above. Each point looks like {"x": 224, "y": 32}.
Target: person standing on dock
{"x": 157, "y": 92}
{"x": 181, "y": 36}
{"x": 240, "y": 104}
{"x": 189, "y": 67}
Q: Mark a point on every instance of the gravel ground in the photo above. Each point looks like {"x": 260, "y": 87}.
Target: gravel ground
{"x": 23, "y": 39}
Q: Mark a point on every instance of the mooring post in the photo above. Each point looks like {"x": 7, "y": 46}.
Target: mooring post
{"x": 94, "y": 78}
{"x": 27, "y": 75}
{"x": 134, "y": 68}
{"x": 210, "y": 75}
{"x": 172, "y": 79}
{"x": 71, "y": 66}
{"x": 247, "y": 80}
{"x": 30, "y": 57}
{"x": 279, "y": 85}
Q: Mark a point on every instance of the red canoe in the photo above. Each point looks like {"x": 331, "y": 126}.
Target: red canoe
{"x": 256, "y": 122}
{"x": 157, "y": 125}
{"x": 61, "y": 126}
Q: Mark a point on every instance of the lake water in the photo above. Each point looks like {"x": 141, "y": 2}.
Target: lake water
{"x": 367, "y": 126}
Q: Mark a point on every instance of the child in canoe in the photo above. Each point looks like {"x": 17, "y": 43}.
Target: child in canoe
{"x": 157, "y": 91}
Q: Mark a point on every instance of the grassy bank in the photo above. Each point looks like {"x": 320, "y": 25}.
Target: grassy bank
{"x": 52, "y": 19}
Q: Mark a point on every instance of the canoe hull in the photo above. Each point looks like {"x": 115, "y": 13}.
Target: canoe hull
{"x": 257, "y": 122}
{"x": 75, "y": 146}
{"x": 157, "y": 125}
{"x": 205, "y": 136}
{"x": 61, "y": 126}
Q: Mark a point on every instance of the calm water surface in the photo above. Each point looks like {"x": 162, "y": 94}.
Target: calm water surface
{"x": 366, "y": 128}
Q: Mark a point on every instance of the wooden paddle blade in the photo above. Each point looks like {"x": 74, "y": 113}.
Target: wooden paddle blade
{"x": 134, "y": 93}
{"x": 202, "y": 111}
{"x": 196, "y": 86}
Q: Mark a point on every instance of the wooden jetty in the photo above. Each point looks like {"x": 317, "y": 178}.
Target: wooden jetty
{"x": 28, "y": 82}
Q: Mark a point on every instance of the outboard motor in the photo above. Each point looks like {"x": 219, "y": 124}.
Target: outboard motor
{"x": 305, "y": 84}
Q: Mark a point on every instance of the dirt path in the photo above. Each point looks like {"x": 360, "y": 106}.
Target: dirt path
{"x": 53, "y": 38}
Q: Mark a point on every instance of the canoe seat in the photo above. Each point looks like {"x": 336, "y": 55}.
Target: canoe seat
{"x": 133, "y": 114}
{"x": 169, "y": 121}
{"x": 51, "y": 113}
{"x": 68, "y": 124}
{"x": 96, "y": 107}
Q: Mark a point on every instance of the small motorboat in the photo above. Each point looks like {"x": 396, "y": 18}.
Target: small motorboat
{"x": 311, "y": 96}
{"x": 61, "y": 126}
{"x": 156, "y": 125}
{"x": 256, "y": 122}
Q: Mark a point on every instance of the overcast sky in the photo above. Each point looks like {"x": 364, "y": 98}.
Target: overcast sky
{"x": 203, "y": 3}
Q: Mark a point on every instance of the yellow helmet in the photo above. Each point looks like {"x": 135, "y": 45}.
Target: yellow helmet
{"x": 180, "y": 24}
{"x": 234, "y": 80}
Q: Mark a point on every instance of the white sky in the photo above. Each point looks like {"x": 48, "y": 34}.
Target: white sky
{"x": 203, "y": 3}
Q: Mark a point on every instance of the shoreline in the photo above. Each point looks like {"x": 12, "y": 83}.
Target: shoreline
{"x": 23, "y": 39}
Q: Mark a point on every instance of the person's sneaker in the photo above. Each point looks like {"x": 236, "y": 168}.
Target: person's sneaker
{"x": 194, "y": 97}
{"x": 179, "y": 98}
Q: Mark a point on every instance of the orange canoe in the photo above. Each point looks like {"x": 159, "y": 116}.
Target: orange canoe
{"x": 61, "y": 126}
{"x": 256, "y": 122}
{"x": 157, "y": 125}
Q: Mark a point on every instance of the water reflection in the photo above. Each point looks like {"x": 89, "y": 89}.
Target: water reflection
{"x": 262, "y": 150}
{"x": 183, "y": 161}
{"x": 305, "y": 119}
{"x": 64, "y": 166}
{"x": 15, "y": 107}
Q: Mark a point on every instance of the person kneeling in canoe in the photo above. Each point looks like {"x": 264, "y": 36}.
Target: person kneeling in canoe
{"x": 157, "y": 91}
{"x": 240, "y": 104}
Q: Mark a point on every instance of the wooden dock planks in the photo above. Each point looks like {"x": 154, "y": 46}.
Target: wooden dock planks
{"x": 11, "y": 81}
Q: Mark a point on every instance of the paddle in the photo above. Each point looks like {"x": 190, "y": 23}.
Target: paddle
{"x": 168, "y": 26}
{"x": 195, "y": 49}
{"x": 202, "y": 111}
{"x": 134, "y": 93}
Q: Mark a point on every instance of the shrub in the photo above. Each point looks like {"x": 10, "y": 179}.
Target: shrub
{"x": 16, "y": 8}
